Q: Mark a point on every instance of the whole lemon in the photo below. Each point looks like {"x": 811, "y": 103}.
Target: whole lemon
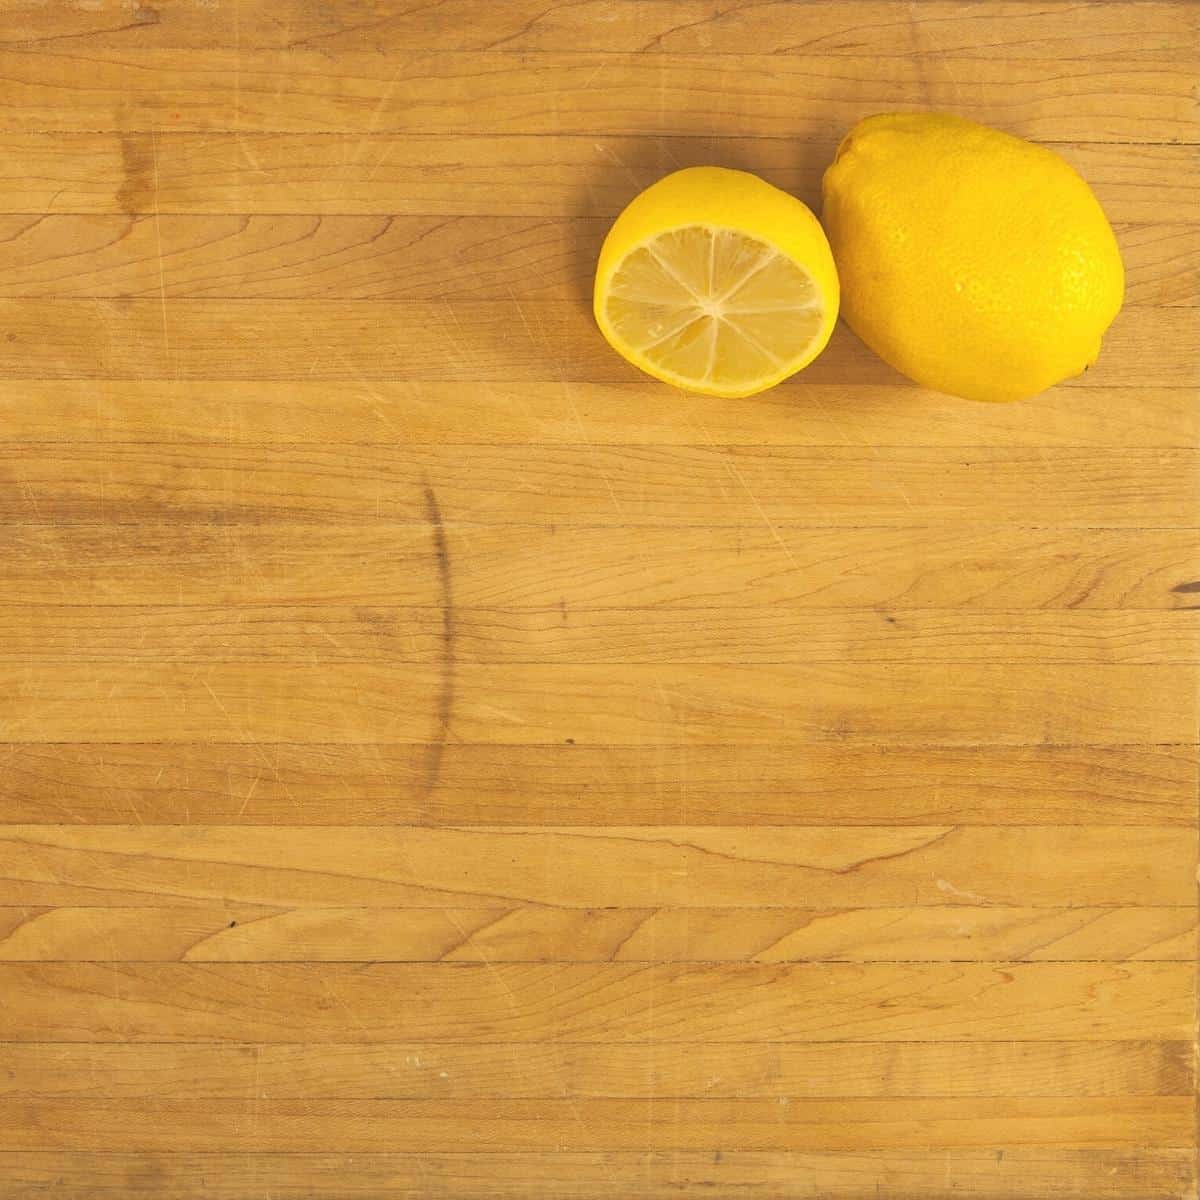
{"x": 972, "y": 261}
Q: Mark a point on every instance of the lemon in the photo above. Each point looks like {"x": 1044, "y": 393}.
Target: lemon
{"x": 972, "y": 261}
{"x": 717, "y": 282}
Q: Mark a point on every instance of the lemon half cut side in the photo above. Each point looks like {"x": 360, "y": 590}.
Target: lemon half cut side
{"x": 716, "y": 282}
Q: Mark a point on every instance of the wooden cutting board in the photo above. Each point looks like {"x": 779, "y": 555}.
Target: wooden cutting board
{"x": 436, "y": 761}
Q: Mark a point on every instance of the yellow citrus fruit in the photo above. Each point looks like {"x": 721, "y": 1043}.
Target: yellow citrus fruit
{"x": 972, "y": 261}
{"x": 717, "y": 282}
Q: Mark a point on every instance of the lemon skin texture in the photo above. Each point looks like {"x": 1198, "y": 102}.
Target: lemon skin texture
{"x": 972, "y": 261}
{"x": 724, "y": 199}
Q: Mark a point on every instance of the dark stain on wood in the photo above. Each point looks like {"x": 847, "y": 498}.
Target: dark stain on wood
{"x": 444, "y": 710}
{"x": 137, "y": 173}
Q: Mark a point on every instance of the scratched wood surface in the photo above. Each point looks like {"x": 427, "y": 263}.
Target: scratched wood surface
{"x": 436, "y": 762}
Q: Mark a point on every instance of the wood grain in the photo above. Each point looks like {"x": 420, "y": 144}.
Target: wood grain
{"x": 685, "y": 866}
{"x": 394, "y": 634}
{"x": 254, "y": 933}
{"x": 56, "y": 89}
{"x": 432, "y": 1125}
{"x": 896, "y": 1174}
{"x": 438, "y": 763}
{"x": 229, "y": 783}
{"x": 381, "y": 564}
{"x": 417, "y": 412}
{"x": 599, "y": 1003}
{"x": 582, "y": 484}
{"x": 500, "y": 175}
{"x": 602, "y": 704}
{"x": 50, "y": 1071}
{"x": 1014, "y": 31}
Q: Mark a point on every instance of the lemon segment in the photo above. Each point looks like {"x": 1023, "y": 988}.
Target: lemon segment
{"x": 716, "y": 282}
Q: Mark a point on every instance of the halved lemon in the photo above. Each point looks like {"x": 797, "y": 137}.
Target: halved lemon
{"x": 716, "y": 282}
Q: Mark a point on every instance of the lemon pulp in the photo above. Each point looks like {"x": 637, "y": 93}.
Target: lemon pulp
{"x": 713, "y": 307}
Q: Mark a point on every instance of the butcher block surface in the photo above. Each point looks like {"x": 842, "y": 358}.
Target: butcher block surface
{"x": 437, "y": 761}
